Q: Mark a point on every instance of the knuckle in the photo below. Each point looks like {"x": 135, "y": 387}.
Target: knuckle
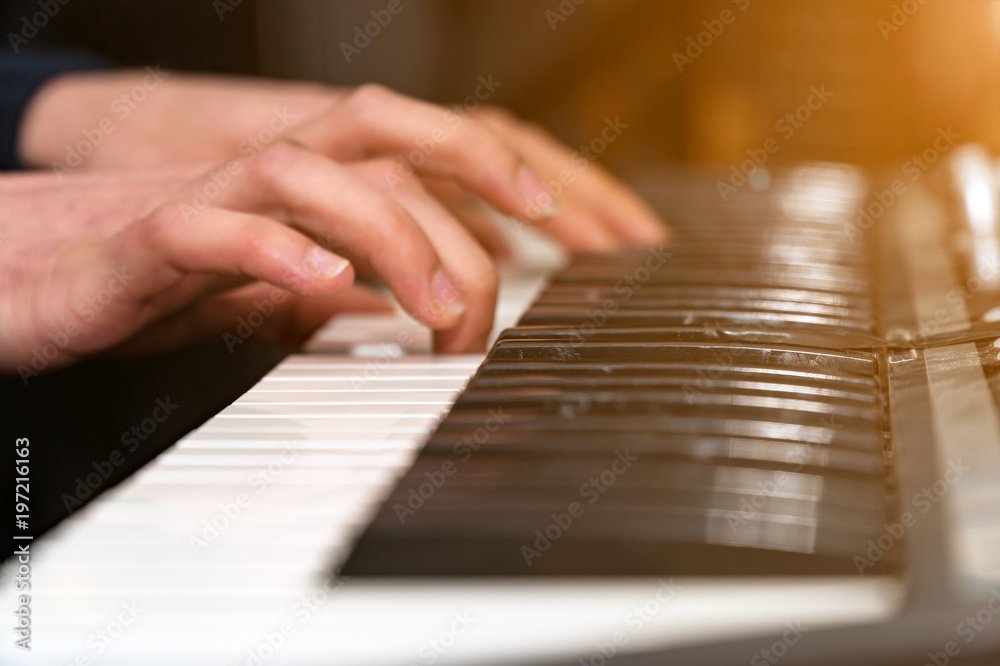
{"x": 159, "y": 227}
{"x": 367, "y": 97}
{"x": 399, "y": 223}
{"x": 378, "y": 172}
{"x": 483, "y": 277}
{"x": 485, "y": 141}
{"x": 276, "y": 159}
{"x": 497, "y": 114}
{"x": 533, "y": 129}
{"x": 390, "y": 225}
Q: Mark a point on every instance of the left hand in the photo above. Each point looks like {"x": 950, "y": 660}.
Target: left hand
{"x": 184, "y": 118}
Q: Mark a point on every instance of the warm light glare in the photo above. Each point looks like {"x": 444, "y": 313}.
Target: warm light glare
{"x": 980, "y": 207}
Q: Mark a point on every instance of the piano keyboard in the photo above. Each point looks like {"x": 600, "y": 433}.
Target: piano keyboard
{"x": 750, "y": 458}
{"x": 755, "y": 354}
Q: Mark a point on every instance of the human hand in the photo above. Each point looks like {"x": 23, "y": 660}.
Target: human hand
{"x": 198, "y": 248}
{"x": 159, "y": 118}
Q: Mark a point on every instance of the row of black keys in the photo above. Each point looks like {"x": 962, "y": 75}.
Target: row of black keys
{"x": 692, "y": 415}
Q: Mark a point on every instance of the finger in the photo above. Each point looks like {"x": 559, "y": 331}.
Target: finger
{"x": 325, "y": 200}
{"x": 580, "y": 232}
{"x": 591, "y": 187}
{"x": 170, "y": 245}
{"x": 286, "y": 318}
{"x": 374, "y": 121}
{"x": 472, "y": 212}
{"x": 462, "y": 256}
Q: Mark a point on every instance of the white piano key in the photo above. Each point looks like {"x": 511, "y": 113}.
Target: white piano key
{"x": 362, "y": 387}
{"x": 273, "y": 456}
{"x": 255, "y": 510}
{"x": 346, "y": 332}
{"x": 178, "y": 553}
{"x": 198, "y": 475}
{"x": 348, "y": 364}
{"x": 191, "y": 577}
{"x": 371, "y": 441}
{"x": 347, "y": 409}
{"x": 342, "y": 423}
{"x": 367, "y": 429}
{"x": 212, "y": 494}
{"x": 387, "y": 396}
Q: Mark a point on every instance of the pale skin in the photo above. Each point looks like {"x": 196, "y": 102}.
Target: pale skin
{"x": 324, "y": 201}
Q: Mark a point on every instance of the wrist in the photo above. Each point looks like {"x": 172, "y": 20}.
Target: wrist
{"x": 50, "y": 122}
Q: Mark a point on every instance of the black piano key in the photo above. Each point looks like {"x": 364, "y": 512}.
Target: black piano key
{"x": 464, "y": 442}
{"x": 641, "y": 402}
{"x": 692, "y": 316}
{"x": 622, "y": 467}
{"x": 707, "y": 423}
{"x": 396, "y": 551}
{"x": 582, "y": 387}
{"x": 588, "y": 299}
{"x": 697, "y": 371}
{"x": 599, "y": 292}
{"x": 705, "y": 333}
{"x": 710, "y": 355}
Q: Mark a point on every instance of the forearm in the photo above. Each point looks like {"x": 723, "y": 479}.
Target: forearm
{"x": 148, "y": 118}
{"x": 22, "y": 76}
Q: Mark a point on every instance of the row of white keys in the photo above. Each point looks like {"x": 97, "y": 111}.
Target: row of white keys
{"x": 220, "y": 536}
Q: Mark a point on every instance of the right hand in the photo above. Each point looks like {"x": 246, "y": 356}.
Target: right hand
{"x": 267, "y": 221}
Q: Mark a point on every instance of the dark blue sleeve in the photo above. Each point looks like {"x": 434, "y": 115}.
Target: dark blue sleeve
{"x": 21, "y": 75}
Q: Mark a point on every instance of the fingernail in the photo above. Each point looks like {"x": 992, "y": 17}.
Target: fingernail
{"x": 447, "y": 299}
{"x": 324, "y": 264}
{"x": 541, "y": 204}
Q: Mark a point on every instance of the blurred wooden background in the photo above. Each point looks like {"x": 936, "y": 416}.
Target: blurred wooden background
{"x": 891, "y": 90}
